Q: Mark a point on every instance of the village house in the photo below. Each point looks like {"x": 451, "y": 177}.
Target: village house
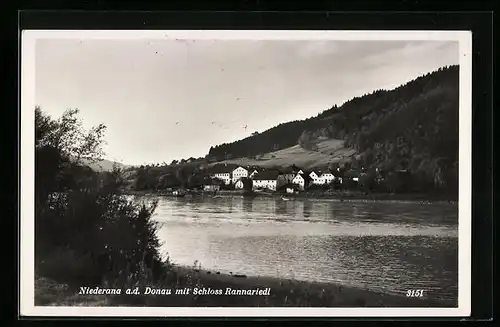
{"x": 239, "y": 173}
{"x": 253, "y": 172}
{"x": 239, "y": 185}
{"x": 289, "y": 173}
{"x": 320, "y": 178}
{"x": 269, "y": 179}
{"x": 328, "y": 178}
{"x": 302, "y": 180}
{"x": 222, "y": 172}
{"x": 243, "y": 183}
{"x": 212, "y": 186}
{"x": 352, "y": 174}
{"x": 314, "y": 176}
{"x": 289, "y": 188}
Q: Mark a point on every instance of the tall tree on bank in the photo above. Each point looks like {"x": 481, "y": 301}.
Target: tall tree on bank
{"x": 86, "y": 233}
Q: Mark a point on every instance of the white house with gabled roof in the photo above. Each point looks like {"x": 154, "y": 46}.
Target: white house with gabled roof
{"x": 315, "y": 177}
{"x": 253, "y": 173}
{"x": 239, "y": 173}
{"x": 327, "y": 178}
{"x": 302, "y": 181}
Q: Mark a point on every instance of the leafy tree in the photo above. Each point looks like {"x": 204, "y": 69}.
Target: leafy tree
{"x": 307, "y": 141}
{"x": 68, "y": 137}
{"x": 86, "y": 232}
{"x": 393, "y": 182}
{"x": 181, "y": 176}
{"x": 333, "y": 166}
{"x": 367, "y": 181}
{"x": 194, "y": 181}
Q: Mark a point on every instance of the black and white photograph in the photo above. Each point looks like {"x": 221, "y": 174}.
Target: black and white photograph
{"x": 243, "y": 173}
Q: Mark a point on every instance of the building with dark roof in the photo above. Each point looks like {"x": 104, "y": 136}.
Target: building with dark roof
{"x": 222, "y": 172}
{"x": 287, "y": 174}
{"x": 289, "y": 188}
{"x": 267, "y": 175}
{"x": 268, "y": 179}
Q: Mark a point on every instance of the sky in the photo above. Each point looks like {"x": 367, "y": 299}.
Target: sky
{"x": 173, "y": 99}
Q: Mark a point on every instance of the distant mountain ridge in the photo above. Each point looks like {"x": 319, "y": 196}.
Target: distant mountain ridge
{"x": 387, "y": 127}
{"x": 414, "y": 126}
{"x": 407, "y": 136}
{"x": 105, "y": 165}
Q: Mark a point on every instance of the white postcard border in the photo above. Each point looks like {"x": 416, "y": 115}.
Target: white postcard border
{"x": 27, "y": 277}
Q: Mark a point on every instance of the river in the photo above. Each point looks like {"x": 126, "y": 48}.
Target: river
{"x": 383, "y": 246}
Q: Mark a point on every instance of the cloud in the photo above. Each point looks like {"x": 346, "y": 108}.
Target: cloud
{"x": 141, "y": 88}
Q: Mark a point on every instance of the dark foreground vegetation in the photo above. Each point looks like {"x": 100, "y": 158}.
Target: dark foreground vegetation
{"x": 86, "y": 231}
{"x": 88, "y": 234}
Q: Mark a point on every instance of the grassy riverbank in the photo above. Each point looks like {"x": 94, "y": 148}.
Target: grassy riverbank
{"x": 283, "y": 293}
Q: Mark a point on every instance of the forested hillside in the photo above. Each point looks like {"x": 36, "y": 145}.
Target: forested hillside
{"x": 414, "y": 126}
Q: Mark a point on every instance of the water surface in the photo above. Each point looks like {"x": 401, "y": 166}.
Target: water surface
{"x": 384, "y": 246}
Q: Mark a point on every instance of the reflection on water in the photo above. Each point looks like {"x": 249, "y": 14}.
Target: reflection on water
{"x": 390, "y": 247}
{"x": 247, "y": 204}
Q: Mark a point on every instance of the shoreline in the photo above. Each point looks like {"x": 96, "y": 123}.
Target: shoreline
{"x": 338, "y": 196}
{"x": 340, "y": 295}
{"x": 281, "y": 292}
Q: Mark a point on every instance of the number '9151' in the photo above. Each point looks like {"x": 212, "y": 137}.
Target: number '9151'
{"x": 415, "y": 293}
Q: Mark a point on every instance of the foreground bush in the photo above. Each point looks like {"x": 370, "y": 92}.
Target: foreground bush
{"x": 86, "y": 232}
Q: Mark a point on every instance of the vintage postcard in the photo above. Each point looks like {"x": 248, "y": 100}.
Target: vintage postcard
{"x": 245, "y": 173}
